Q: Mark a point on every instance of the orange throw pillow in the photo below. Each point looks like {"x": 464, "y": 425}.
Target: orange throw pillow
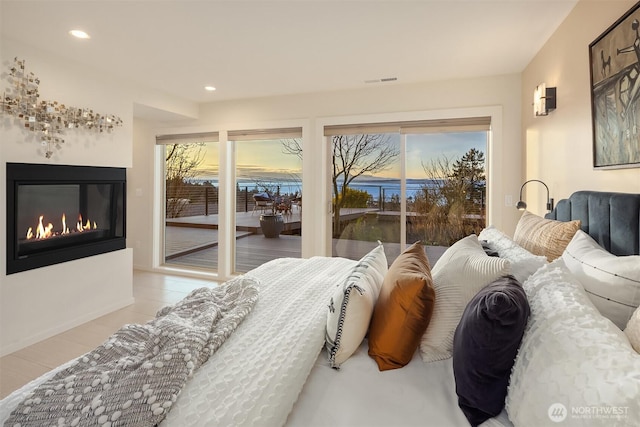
{"x": 403, "y": 309}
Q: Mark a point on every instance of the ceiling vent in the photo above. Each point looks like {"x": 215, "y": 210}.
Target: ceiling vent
{"x": 383, "y": 80}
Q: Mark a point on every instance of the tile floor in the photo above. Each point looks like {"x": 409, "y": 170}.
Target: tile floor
{"x": 151, "y": 291}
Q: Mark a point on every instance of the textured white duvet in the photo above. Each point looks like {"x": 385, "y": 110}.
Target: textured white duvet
{"x": 256, "y": 376}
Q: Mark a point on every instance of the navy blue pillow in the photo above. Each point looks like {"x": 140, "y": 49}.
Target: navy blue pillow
{"x": 485, "y": 345}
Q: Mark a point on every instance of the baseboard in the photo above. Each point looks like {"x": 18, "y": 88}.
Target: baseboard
{"x": 58, "y": 329}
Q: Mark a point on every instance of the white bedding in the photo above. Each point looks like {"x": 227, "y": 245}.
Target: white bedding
{"x": 359, "y": 394}
{"x": 255, "y": 378}
{"x": 275, "y": 359}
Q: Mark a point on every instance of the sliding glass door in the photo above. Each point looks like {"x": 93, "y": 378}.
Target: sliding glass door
{"x": 446, "y": 187}
{"x": 268, "y": 177}
{"x": 191, "y": 200}
{"x": 416, "y": 181}
{"x": 231, "y": 206}
{"x": 365, "y": 193}
{"x": 201, "y": 228}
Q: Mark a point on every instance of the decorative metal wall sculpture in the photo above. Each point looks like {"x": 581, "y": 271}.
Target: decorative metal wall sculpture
{"x": 49, "y": 119}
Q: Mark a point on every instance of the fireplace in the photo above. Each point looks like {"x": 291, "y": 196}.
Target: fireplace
{"x": 58, "y": 213}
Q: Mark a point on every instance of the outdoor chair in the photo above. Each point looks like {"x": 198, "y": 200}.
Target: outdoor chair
{"x": 283, "y": 206}
{"x": 262, "y": 203}
{"x": 297, "y": 202}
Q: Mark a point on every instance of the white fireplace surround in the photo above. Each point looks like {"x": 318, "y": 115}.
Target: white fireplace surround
{"x": 41, "y": 303}
{"x": 37, "y": 304}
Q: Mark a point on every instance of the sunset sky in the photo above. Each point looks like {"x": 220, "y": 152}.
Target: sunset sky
{"x": 265, "y": 160}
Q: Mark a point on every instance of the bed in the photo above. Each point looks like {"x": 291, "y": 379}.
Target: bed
{"x": 296, "y": 349}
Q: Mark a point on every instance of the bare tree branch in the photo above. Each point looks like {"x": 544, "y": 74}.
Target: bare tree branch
{"x": 181, "y": 163}
{"x": 353, "y": 156}
{"x": 292, "y": 146}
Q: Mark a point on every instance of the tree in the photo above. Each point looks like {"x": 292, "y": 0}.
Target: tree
{"x": 468, "y": 171}
{"x": 454, "y": 189}
{"x": 355, "y": 198}
{"x": 181, "y": 163}
{"x": 353, "y": 156}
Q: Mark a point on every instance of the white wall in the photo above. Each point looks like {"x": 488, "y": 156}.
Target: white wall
{"x": 558, "y": 147}
{"x": 141, "y": 195}
{"x": 39, "y": 303}
{"x": 497, "y": 93}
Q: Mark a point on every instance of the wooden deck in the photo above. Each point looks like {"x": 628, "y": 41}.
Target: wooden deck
{"x": 245, "y": 221}
{"x": 181, "y": 241}
{"x": 250, "y": 221}
{"x": 188, "y": 235}
{"x": 193, "y": 241}
{"x": 253, "y": 250}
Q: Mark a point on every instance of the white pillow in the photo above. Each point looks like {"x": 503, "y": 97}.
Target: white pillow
{"x": 352, "y": 304}
{"x": 458, "y": 275}
{"x": 574, "y": 366}
{"x": 523, "y": 262}
{"x": 612, "y": 282}
{"x": 633, "y": 330}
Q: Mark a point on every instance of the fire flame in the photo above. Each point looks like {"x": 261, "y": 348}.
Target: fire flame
{"x": 45, "y": 232}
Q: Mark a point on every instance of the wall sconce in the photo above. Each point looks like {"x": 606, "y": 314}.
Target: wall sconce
{"x": 544, "y": 100}
{"x": 522, "y": 205}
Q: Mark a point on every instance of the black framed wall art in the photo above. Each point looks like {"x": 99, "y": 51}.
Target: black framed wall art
{"x": 614, "y": 58}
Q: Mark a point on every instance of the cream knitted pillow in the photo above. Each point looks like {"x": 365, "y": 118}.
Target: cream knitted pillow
{"x": 542, "y": 236}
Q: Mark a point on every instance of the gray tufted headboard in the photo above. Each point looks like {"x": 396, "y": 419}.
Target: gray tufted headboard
{"x": 612, "y": 219}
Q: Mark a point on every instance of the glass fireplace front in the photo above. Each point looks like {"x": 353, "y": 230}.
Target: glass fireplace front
{"x": 59, "y": 213}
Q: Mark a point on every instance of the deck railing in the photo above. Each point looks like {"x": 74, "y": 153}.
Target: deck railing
{"x": 195, "y": 200}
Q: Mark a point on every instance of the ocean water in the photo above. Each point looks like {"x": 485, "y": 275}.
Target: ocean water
{"x": 377, "y": 188}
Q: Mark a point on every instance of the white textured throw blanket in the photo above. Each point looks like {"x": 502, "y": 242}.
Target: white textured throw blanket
{"x": 256, "y": 377}
{"x": 134, "y": 378}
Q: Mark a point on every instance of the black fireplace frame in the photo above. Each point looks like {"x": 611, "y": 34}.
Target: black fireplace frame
{"x": 31, "y": 173}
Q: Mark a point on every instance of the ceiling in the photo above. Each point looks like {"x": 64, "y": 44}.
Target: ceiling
{"x": 262, "y": 48}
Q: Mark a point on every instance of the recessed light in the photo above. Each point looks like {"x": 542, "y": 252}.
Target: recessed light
{"x": 209, "y": 88}
{"x": 79, "y": 34}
